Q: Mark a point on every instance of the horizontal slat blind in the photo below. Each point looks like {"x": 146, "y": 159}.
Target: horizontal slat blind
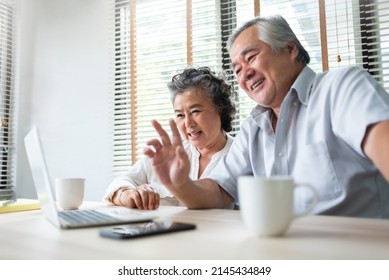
{"x": 341, "y": 38}
{"x": 206, "y": 34}
{"x": 122, "y": 84}
{"x": 7, "y": 151}
{"x": 358, "y": 34}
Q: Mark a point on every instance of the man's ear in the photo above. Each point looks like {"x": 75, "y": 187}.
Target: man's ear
{"x": 291, "y": 47}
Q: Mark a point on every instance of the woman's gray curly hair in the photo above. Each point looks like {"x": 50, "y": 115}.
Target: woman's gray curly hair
{"x": 212, "y": 85}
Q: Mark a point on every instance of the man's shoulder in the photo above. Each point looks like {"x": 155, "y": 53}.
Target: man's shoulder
{"x": 341, "y": 84}
{"x": 341, "y": 72}
{"x": 342, "y": 78}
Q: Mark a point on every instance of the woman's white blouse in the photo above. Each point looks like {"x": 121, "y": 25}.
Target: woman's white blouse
{"x": 142, "y": 173}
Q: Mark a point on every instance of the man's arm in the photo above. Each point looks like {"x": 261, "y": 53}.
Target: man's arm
{"x": 171, "y": 165}
{"x": 204, "y": 193}
{"x": 376, "y": 146}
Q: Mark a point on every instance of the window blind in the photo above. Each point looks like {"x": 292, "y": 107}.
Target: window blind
{"x": 154, "y": 39}
{"x": 6, "y": 99}
{"x": 358, "y": 34}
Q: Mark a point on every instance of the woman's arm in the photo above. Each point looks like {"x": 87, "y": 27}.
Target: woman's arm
{"x": 132, "y": 190}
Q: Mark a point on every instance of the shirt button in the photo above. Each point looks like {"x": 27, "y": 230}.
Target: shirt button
{"x": 280, "y": 154}
{"x": 295, "y": 103}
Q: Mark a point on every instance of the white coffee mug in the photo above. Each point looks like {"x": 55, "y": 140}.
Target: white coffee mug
{"x": 266, "y": 204}
{"x": 70, "y": 192}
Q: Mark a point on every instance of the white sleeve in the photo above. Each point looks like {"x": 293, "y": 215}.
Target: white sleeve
{"x": 138, "y": 174}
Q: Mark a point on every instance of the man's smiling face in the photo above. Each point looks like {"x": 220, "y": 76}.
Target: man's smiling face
{"x": 264, "y": 75}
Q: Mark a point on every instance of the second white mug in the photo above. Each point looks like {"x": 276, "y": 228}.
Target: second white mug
{"x": 266, "y": 204}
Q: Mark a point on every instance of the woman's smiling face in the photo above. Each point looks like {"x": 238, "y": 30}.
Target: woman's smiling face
{"x": 197, "y": 118}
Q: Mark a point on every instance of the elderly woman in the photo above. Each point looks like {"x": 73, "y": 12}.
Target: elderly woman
{"x": 204, "y": 113}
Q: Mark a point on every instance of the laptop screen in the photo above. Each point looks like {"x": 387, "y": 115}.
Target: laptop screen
{"x": 40, "y": 175}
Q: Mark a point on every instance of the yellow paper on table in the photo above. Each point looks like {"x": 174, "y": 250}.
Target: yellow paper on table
{"x": 21, "y": 204}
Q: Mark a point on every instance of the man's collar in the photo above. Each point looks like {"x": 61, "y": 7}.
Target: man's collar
{"x": 302, "y": 85}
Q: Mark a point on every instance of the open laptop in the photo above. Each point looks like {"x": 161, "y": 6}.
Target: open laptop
{"x": 71, "y": 218}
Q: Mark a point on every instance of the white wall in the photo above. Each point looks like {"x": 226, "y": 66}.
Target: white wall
{"x": 63, "y": 87}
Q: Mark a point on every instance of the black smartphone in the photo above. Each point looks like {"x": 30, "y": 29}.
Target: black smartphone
{"x": 144, "y": 229}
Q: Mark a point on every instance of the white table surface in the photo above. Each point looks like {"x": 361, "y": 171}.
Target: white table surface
{"x": 220, "y": 234}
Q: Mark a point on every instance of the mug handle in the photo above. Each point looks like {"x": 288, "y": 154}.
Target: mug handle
{"x": 315, "y": 198}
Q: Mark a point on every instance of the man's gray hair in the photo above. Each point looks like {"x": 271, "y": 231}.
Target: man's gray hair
{"x": 274, "y": 31}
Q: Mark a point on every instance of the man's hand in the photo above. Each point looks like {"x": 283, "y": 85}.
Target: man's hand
{"x": 168, "y": 158}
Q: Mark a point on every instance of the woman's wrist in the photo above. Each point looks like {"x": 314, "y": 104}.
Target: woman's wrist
{"x": 119, "y": 195}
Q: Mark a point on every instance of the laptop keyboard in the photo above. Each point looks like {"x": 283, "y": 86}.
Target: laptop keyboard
{"x": 77, "y": 217}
